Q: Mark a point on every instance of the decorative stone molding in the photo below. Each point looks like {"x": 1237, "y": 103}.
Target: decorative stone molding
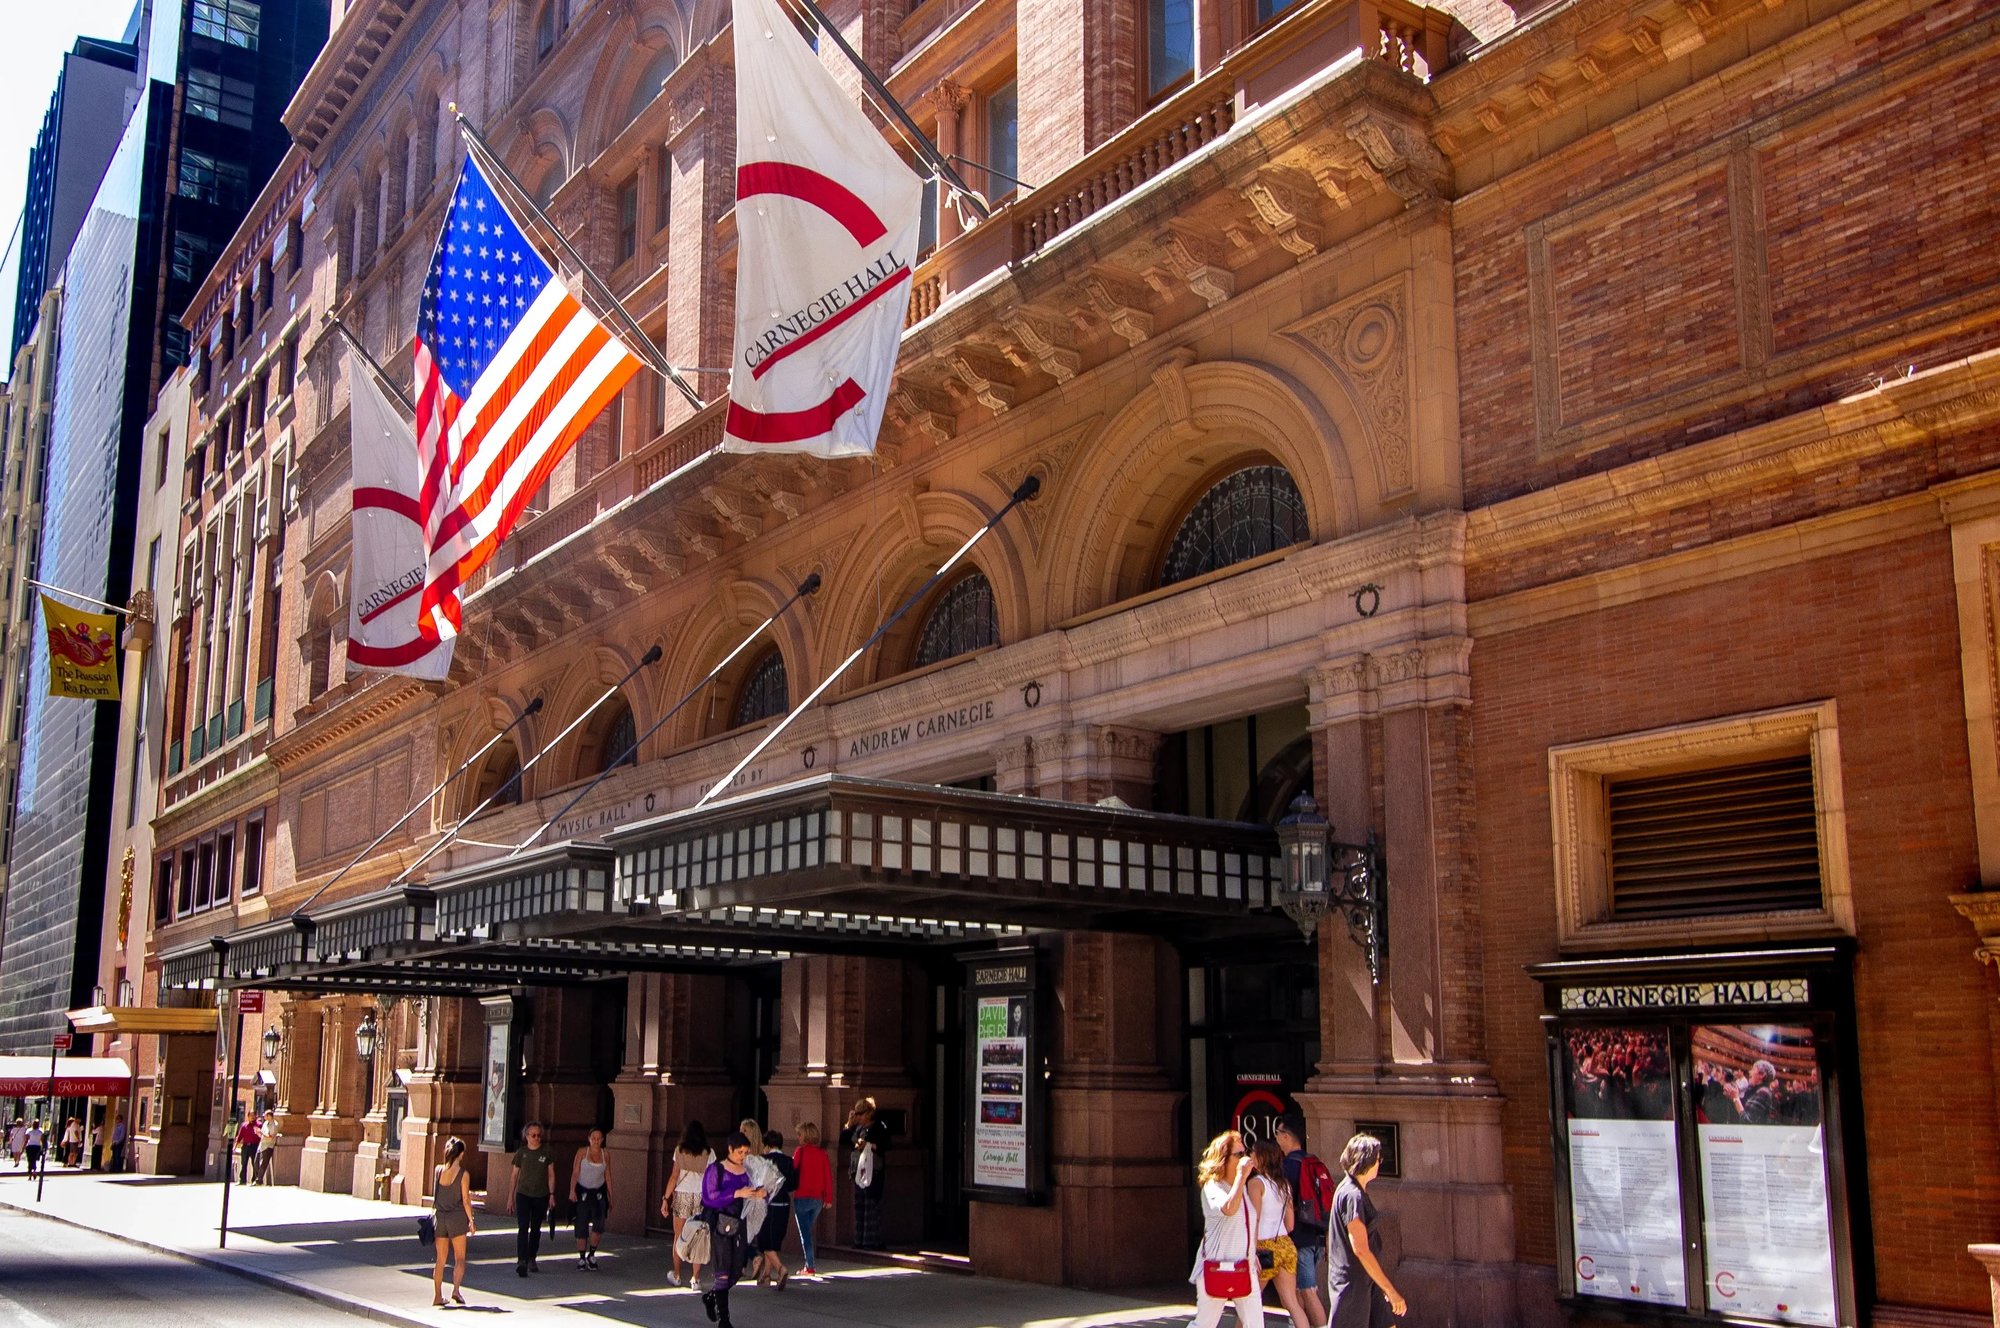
{"x": 1185, "y": 256}
{"x": 982, "y": 372}
{"x": 1120, "y": 304}
{"x": 1366, "y": 341}
{"x": 1043, "y": 343}
{"x": 1397, "y": 147}
{"x": 1049, "y": 462}
{"x": 1286, "y": 208}
{"x": 1982, "y": 910}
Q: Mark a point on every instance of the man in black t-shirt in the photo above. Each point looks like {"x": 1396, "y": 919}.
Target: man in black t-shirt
{"x": 534, "y": 1180}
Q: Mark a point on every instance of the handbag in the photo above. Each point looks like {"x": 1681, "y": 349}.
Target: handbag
{"x": 427, "y": 1230}
{"x": 728, "y": 1225}
{"x": 1230, "y": 1279}
{"x": 864, "y": 1166}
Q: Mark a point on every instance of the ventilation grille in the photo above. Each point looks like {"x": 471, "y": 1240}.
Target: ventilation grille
{"x": 1743, "y": 839}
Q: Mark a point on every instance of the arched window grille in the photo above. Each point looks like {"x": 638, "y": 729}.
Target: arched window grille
{"x": 1252, "y": 512}
{"x": 499, "y": 779}
{"x": 619, "y": 742}
{"x": 962, "y": 620}
{"x": 766, "y": 691}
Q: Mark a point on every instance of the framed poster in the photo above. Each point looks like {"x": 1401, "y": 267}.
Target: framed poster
{"x": 1766, "y": 1226}
{"x": 1624, "y": 1168}
{"x": 1005, "y": 1090}
{"x": 496, "y": 1074}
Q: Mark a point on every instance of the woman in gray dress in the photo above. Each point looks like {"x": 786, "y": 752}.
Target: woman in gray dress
{"x": 451, "y": 1207}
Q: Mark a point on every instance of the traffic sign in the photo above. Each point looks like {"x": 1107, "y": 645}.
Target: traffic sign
{"x": 250, "y": 1002}
{"x": 60, "y": 1042}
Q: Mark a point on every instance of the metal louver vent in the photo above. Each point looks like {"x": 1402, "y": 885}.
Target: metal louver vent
{"x": 1741, "y": 839}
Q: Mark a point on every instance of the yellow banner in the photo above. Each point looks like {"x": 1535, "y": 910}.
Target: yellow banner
{"x": 83, "y": 652}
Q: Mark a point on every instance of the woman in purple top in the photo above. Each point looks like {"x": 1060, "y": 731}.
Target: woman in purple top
{"x": 723, "y": 1189}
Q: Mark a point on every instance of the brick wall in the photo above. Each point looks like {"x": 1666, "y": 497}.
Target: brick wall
{"x": 1876, "y": 631}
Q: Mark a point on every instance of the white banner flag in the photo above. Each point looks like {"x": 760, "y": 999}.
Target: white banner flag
{"x": 387, "y": 555}
{"x": 826, "y": 227}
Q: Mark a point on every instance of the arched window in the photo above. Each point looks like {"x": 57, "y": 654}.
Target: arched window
{"x": 663, "y": 64}
{"x": 962, "y": 620}
{"x": 1247, "y": 514}
{"x": 500, "y": 779}
{"x": 620, "y": 746}
{"x": 547, "y": 25}
{"x": 766, "y": 690}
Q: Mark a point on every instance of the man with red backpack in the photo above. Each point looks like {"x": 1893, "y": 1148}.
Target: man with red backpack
{"x": 1312, "y": 1187}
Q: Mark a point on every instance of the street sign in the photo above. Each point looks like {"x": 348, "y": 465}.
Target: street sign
{"x": 250, "y": 1002}
{"x": 60, "y": 1042}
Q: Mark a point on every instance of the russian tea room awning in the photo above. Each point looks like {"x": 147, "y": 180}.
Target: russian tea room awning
{"x": 76, "y": 1076}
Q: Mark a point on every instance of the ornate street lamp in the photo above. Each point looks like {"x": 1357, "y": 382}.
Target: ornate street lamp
{"x": 274, "y": 1042}
{"x": 364, "y": 1043}
{"x": 1322, "y": 875}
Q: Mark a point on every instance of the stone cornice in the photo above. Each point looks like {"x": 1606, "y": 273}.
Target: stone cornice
{"x": 371, "y": 705}
{"x": 352, "y": 56}
{"x": 1897, "y": 415}
{"x": 242, "y": 788}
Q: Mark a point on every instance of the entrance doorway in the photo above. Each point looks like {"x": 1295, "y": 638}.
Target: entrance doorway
{"x": 1253, "y": 1037}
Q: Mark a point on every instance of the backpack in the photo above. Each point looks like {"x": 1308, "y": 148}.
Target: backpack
{"x": 1315, "y": 1192}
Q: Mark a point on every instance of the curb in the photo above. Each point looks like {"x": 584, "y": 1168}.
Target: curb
{"x": 218, "y": 1261}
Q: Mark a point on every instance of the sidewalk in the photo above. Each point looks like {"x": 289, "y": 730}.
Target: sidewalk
{"x": 363, "y": 1257}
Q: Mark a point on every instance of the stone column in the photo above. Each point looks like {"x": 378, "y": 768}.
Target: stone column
{"x": 372, "y": 1168}
{"x": 674, "y": 1071}
{"x": 445, "y": 1092}
{"x": 1090, "y": 762}
{"x": 300, "y": 1024}
{"x": 326, "y": 1162}
{"x": 1391, "y": 730}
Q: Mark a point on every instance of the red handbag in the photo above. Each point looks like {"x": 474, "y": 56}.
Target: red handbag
{"x": 1233, "y": 1279}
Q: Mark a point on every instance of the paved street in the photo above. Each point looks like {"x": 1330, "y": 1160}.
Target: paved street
{"x": 357, "y": 1258}
{"x": 56, "y": 1276}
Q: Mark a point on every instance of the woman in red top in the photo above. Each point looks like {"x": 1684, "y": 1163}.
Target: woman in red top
{"x": 814, "y": 1193}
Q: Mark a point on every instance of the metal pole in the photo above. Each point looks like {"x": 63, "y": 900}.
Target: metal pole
{"x": 1029, "y": 487}
{"x": 77, "y": 594}
{"x": 650, "y": 657}
{"x": 643, "y": 347}
{"x": 42, "y": 1163}
{"x": 381, "y": 374}
{"x": 806, "y": 587}
{"x": 922, "y": 141}
{"x": 229, "y": 1136}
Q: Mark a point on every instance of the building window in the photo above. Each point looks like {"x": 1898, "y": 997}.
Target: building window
{"x": 163, "y": 889}
{"x": 1003, "y": 137}
{"x": 1169, "y": 45}
{"x": 650, "y": 81}
{"x": 204, "y": 881}
{"x": 253, "y": 856}
{"x": 189, "y": 857}
{"x": 225, "y": 865}
{"x": 663, "y": 184}
{"x": 628, "y": 220}
{"x": 231, "y": 22}
{"x": 228, "y": 101}
{"x": 547, "y": 25}
{"x": 1270, "y": 9}
{"x": 206, "y": 178}
{"x": 961, "y": 621}
{"x": 500, "y": 781}
{"x": 621, "y": 740}
{"x": 1248, "y": 514}
{"x": 766, "y": 691}
{"x": 1719, "y": 831}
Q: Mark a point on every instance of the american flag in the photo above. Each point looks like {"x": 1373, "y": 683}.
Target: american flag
{"x": 510, "y": 371}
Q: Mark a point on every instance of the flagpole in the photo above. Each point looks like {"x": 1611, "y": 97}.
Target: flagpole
{"x": 650, "y": 657}
{"x": 806, "y": 587}
{"x": 374, "y": 365}
{"x": 77, "y": 594}
{"x": 532, "y": 707}
{"x": 1027, "y": 489}
{"x": 644, "y": 347}
{"x": 920, "y": 140}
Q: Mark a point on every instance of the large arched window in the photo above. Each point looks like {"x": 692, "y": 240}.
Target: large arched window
{"x": 766, "y": 690}
{"x": 500, "y": 779}
{"x": 620, "y": 745}
{"x": 548, "y": 25}
{"x": 1251, "y": 512}
{"x": 962, "y": 620}
{"x": 663, "y": 64}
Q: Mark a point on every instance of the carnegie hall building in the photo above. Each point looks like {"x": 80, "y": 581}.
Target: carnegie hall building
{"x": 1501, "y": 653}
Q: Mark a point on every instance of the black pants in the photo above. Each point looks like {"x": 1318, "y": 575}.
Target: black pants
{"x": 868, "y": 1217}
{"x": 249, "y": 1152}
{"x": 529, "y": 1210}
{"x": 589, "y": 1211}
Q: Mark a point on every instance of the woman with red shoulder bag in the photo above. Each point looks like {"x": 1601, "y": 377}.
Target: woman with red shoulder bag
{"x": 1225, "y": 1269}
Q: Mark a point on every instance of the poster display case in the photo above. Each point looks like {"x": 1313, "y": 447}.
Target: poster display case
{"x": 1006, "y": 1098}
{"x": 1702, "y": 1121}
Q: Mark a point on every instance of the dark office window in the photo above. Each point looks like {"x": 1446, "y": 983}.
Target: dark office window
{"x": 229, "y": 101}
{"x": 1169, "y": 44}
{"x": 163, "y": 889}
{"x": 225, "y": 865}
{"x": 1255, "y": 511}
{"x": 231, "y": 22}
{"x": 209, "y": 179}
{"x": 628, "y": 219}
{"x": 962, "y": 620}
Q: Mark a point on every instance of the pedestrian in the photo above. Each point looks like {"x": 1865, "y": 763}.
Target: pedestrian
{"x": 451, "y": 1208}
{"x": 1312, "y": 1187}
{"x": 267, "y": 1146}
{"x": 590, "y": 1196}
{"x": 96, "y": 1147}
{"x": 778, "y": 1214}
{"x": 534, "y": 1181}
{"x": 246, "y": 1145}
{"x": 118, "y": 1145}
{"x": 17, "y": 1140}
{"x": 72, "y": 1140}
{"x": 726, "y": 1188}
{"x": 34, "y": 1147}
{"x": 1358, "y": 1291}
{"x": 1229, "y": 1216}
{"x": 812, "y": 1192}
{"x": 764, "y": 1177}
{"x": 682, "y": 1203}
{"x": 865, "y": 1137}
{"x": 1277, "y": 1255}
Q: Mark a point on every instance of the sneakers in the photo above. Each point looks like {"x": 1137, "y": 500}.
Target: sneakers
{"x": 591, "y": 1260}
{"x": 582, "y": 1263}
{"x": 808, "y": 1271}
{"x": 674, "y": 1279}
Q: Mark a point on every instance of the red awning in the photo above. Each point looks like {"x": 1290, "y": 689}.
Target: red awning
{"x": 76, "y": 1076}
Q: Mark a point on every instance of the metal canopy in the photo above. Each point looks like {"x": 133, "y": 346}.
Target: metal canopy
{"x": 832, "y": 864}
